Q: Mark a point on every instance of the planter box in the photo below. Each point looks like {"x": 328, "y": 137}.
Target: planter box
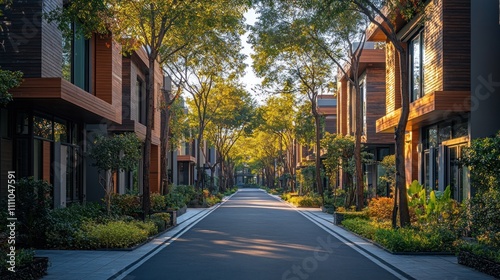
{"x": 35, "y": 270}
{"x": 338, "y": 218}
{"x": 181, "y": 211}
{"x": 479, "y": 263}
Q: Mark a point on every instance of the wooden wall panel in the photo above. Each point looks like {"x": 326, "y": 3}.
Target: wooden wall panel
{"x": 116, "y": 79}
{"x": 375, "y": 105}
{"x": 154, "y": 174}
{"x": 456, "y": 44}
{"x": 22, "y": 37}
{"x": 393, "y": 97}
{"x": 433, "y": 48}
{"x": 51, "y": 43}
{"x": 342, "y": 107}
{"x": 103, "y": 66}
{"x": 127, "y": 88}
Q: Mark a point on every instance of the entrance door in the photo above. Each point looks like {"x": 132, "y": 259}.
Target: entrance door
{"x": 456, "y": 175}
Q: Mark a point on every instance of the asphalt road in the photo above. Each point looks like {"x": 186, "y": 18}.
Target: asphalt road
{"x": 254, "y": 236}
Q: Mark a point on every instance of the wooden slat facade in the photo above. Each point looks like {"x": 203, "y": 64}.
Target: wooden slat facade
{"x": 432, "y": 107}
{"x": 375, "y": 105}
{"x": 342, "y": 106}
{"x": 456, "y": 45}
{"x": 58, "y": 88}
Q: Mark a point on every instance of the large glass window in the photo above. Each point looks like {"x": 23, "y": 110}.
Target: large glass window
{"x": 76, "y": 61}
{"x": 416, "y": 52}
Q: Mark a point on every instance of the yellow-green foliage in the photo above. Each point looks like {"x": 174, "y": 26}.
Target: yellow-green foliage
{"x": 118, "y": 234}
{"x": 212, "y": 200}
{"x": 380, "y": 208}
{"x": 310, "y": 200}
{"x": 164, "y": 216}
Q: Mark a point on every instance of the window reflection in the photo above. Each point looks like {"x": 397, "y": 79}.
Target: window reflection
{"x": 42, "y": 127}
{"x": 60, "y": 132}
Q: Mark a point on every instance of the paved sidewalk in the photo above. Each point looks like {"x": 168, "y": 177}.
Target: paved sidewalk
{"x": 103, "y": 264}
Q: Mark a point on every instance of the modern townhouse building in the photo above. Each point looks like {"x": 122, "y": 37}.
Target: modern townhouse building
{"x": 372, "y": 75}
{"x": 327, "y": 107}
{"x": 453, "y": 69}
{"x": 134, "y": 117}
{"x": 74, "y": 88}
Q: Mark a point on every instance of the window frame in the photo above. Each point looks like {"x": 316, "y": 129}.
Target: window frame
{"x": 420, "y": 35}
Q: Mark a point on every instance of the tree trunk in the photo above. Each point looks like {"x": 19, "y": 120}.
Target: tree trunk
{"x": 317, "y": 123}
{"x": 146, "y": 203}
{"x": 199, "y": 167}
{"x": 165, "y": 127}
{"x": 404, "y": 213}
{"x": 357, "y": 145}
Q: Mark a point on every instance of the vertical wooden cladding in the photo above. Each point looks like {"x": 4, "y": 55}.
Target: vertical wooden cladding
{"x": 51, "y": 47}
{"x": 127, "y": 88}
{"x": 21, "y": 38}
{"x": 108, "y": 72}
{"x": 342, "y": 107}
{"x": 456, "y": 45}
{"x": 375, "y": 105}
{"x": 433, "y": 48}
{"x": 154, "y": 173}
{"x": 393, "y": 96}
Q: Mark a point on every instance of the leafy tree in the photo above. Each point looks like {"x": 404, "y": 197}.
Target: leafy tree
{"x": 483, "y": 159}
{"x": 304, "y": 125}
{"x": 278, "y": 114}
{"x": 162, "y": 27}
{"x": 215, "y": 63}
{"x": 340, "y": 157}
{"x": 388, "y": 163}
{"x": 234, "y": 118}
{"x": 169, "y": 109}
{"x": 382, "y": 14}
{"x": 8, "y": 80}
{"x": 120, "y": 152}
{"x": 286, "y": 59}
{"x": 306, "y": 177}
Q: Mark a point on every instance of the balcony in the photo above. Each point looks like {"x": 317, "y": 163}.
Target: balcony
{"x": 433, "y": 107}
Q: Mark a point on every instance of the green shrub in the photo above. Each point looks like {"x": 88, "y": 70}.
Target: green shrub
{"x": 117, "y": 234}
{"x": 175, "y": 200}
{"x": 33, "y": 202}
{"x": 23, "y": 257}
{"x": 479, "y": 249}
{"x": 230, "y": 191}
{"x": 161, "y": 220}
{"x": 353, "y": 215}
{"x": 158, "y": 202}
{"x": 288, "y": 196}
{"x": 126, "y": 204}
{"x": 148, "y": 226}
{"x": 306, "y": 201}
{"x": 212, "y": 200}
{"x": 187, "y": 192}
{"x": 484, "y": 217}
{"x": 362, "y": 227}
{"x": 65, "y": 224}
{"x": 412, "y": 240}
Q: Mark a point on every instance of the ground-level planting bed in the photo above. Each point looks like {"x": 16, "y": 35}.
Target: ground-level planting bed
{"x": 29, "y": 271}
